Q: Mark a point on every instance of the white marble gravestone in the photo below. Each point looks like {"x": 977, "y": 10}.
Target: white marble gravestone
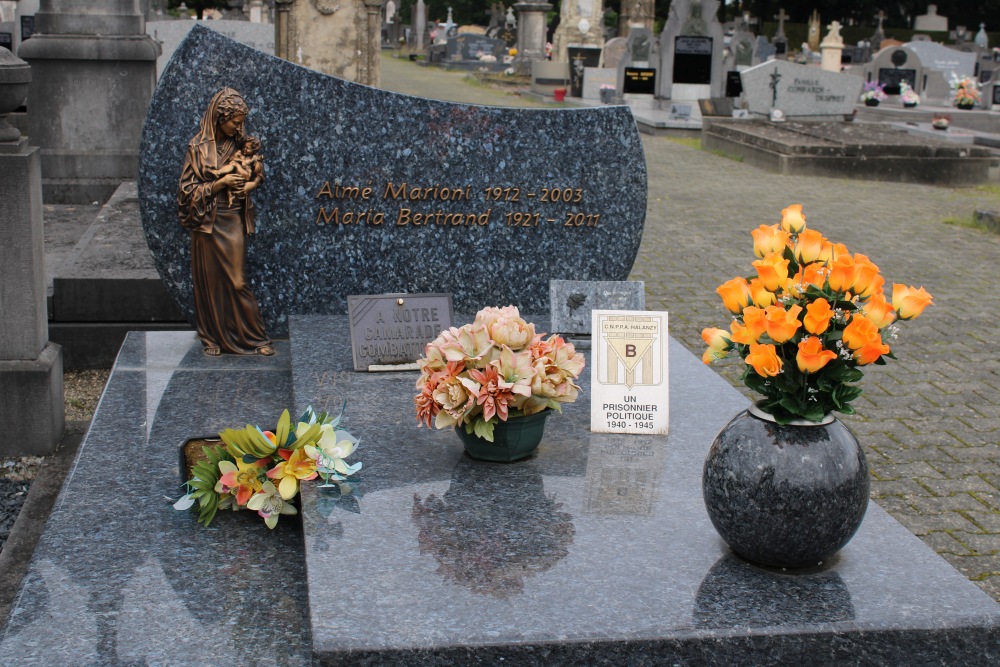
{"x": 691, "y": 46}
{"x": 799, "y": 91}
{"x": 946, "y": 60}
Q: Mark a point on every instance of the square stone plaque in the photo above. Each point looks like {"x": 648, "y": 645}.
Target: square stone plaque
{"x": 628, "y": 372}
{"x": 390, "y": 330}
{"x": 570, "y": 301}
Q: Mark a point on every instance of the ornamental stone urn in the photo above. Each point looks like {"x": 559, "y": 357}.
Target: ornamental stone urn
{"x": 15, "y": 75}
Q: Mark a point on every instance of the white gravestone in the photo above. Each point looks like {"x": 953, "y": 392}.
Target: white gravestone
{"x": 629, "y": 372}
{"x": 946, "y": 60}
{"x": 799, "y": 91}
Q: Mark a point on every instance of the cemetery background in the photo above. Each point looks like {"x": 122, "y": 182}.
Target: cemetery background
{"x": 929, "y": 425}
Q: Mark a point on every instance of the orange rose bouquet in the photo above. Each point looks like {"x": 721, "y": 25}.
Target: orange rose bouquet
{"x": 808, "y": 320}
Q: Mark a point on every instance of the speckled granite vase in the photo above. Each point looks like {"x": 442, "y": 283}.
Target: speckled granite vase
{"x": 785, "y": 496}
{"x": 514, "y": 439}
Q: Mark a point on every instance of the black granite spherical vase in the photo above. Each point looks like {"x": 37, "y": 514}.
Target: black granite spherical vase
{"x": 785, "y": 495}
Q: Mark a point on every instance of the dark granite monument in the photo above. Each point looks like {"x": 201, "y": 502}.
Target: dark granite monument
{"x": 370, "y": 192}
{"x": 597, "y": 550}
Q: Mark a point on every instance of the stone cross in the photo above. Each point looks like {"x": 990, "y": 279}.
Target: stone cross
{"x": 782, "y": 17}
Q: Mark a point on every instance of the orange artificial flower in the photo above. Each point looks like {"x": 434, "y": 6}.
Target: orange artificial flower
{"x": 818, "y": 315}
{"x": 860, "y": 331}
{"x": 782, "y": 324}
{"x": 762, "y": 297}
{"x": 793, "y": 220}
{"x": 870, "y": 353}
{"x": 764, "y": 360}
{"x": 768, "y": 239}
{"x": 735, "y": 294}
{"x": 909, "y": 302}
{"x": 842, "y": 273}
{"x": 773, "y": 271}
{"x": 751, "y": 329}
{"x": 811, "y": 274}
{"x": 879, "y": 311}
{"x": 809, "y": 246}
{"x": 867, "y": 281}
{"x": 812, "y": 356}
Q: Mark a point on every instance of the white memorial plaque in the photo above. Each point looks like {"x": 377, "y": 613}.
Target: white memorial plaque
{"x": 628, "y": 372}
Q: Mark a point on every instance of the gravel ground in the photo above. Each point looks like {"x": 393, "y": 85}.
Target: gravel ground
{"x": 82, "y": 391}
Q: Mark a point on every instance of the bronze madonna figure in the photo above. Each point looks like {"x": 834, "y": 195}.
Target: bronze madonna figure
{"x": 221, "y": 168}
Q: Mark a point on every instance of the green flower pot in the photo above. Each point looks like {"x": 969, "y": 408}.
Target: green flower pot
{"x": 514, "y": 439}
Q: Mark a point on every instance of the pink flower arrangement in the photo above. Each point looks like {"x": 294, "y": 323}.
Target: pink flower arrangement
{"x": 492, "y": 370}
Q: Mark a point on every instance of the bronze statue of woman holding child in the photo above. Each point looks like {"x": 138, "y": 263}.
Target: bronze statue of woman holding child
{"x": 221, "y": 168}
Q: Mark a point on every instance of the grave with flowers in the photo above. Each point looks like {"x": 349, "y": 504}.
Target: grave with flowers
{"x": 595, "y": 549}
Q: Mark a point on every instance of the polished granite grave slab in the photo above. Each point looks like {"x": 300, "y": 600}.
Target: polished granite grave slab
{"x": 120, "y": 577}
{"x": 367, "y": 191}
{"x": 597, "y": 550}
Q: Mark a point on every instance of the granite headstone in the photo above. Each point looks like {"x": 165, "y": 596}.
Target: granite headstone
{"x": 895, "y": 64}
{"x": 470, "y": 47}
{"x": 371, "y": 192}
{"x": 799, "y": 91}
{"x": 944, "y": 59}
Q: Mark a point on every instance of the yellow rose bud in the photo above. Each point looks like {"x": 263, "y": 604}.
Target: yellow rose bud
{"x": 718, "y": 342}
{"x": 764, "y": 360}
{"x": 768, "y": 239}
{"x": 735, "y": 294}
{"x": 818, "y": 314}
{"x": 909, "y": 302}
{"x": 879, "y": 311}
{"x": 773, "y": 271}
{"x": 809, "y": 246}
{"x": 782, "y": 324}
{"x": 812, "y": 356}
{"x": 762, "y": 297}
{"x": 793, "y": 220}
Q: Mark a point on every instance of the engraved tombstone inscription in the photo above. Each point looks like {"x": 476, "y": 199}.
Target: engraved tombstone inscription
{"x": 373, "y": 192}
{"x": 392, "y": 329}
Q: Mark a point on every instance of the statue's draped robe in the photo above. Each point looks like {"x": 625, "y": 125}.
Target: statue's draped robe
{"x": 226, "y": 312}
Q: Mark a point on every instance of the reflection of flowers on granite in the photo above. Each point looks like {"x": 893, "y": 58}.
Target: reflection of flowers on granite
{"x": 737, "y": 594}
{"x": 493, "y": 528}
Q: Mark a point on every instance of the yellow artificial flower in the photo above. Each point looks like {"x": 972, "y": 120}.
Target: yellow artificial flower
{"x": 793, "y": 220}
